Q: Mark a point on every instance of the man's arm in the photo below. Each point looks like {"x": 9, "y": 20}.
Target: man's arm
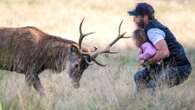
{"x": 157, "y": 37}
{"x": 161, "y": 53}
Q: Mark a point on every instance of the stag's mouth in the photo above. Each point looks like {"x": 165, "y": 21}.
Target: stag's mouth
{"x": 76, "y": 85}
{"x": 75, "y": 81}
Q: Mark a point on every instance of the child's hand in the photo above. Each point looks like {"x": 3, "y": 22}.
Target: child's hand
{"x": 141, "y": 62}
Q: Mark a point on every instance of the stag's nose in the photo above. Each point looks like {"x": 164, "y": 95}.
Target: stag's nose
{"x": 76, "y": 84}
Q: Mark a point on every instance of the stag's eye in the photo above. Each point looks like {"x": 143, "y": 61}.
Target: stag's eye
{"x": 76, "y": 66}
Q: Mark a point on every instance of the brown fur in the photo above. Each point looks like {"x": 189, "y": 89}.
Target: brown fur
{"x": 29, "y": 51}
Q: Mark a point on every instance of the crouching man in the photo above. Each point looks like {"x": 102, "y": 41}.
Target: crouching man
{"x": 174, "y": 67}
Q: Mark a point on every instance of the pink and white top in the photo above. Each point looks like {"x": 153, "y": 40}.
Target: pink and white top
{"x": 147, "y": 50}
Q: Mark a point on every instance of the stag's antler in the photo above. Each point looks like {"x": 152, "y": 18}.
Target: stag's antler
{"x": 82, "y": 35}
{"x": 107, "y": 49}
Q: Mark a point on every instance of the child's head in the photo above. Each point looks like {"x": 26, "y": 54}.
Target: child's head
{"x": 139, "y": 37}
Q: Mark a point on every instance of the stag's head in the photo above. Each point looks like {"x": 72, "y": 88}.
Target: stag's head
{"x": 79, "y": 59}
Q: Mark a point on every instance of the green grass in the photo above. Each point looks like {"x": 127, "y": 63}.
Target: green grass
{"x": 128, "y": 60}
{"x": 1, "y": 107}
{"x": 109, "y": 88}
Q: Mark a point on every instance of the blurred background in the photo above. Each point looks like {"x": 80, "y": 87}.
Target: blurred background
{"x": 109, "y": 88}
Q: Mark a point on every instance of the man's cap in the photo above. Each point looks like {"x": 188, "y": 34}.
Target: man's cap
{"x": 141, "y": 9}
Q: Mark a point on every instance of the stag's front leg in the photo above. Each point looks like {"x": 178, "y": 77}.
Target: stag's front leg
{"x": 33, "y": 80}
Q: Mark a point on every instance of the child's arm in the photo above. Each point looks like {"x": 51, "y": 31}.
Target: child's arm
{"x": 148, "y": 51}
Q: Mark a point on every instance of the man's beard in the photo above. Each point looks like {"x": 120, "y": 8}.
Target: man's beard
{"x": 141, "y": 24}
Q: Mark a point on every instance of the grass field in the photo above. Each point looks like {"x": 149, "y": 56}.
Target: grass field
{"x": 109, "y": 88}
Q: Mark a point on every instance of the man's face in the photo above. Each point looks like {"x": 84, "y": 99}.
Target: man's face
{"x": 140, "y": 21}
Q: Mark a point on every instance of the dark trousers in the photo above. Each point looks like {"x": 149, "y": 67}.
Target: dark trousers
{"x": 158, "y": 76}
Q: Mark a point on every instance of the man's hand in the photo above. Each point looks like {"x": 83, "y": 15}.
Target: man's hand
{"x": 161, "y": 53}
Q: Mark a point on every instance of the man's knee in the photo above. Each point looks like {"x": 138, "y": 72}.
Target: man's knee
{"x": 137, "y": 76}
{"x": 184, "y": 72}
{"x": 140, "y": 75}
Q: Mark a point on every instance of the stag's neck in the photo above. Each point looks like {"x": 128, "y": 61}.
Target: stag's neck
{"x": 57, "y": 52}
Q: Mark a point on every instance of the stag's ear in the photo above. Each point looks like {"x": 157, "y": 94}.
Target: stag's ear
{"x": 74, "y": 49}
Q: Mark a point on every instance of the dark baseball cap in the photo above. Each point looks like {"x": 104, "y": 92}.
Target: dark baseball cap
{"x": 141, "y": 9}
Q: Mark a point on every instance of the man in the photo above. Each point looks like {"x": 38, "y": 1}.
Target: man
{"x": 175, "y": 66}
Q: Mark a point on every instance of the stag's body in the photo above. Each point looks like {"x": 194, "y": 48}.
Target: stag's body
{"x": 30, "y": 51}
{"x": 25, "y": 48}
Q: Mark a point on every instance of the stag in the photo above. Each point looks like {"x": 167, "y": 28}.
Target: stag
{"x": 30, "y": 51}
